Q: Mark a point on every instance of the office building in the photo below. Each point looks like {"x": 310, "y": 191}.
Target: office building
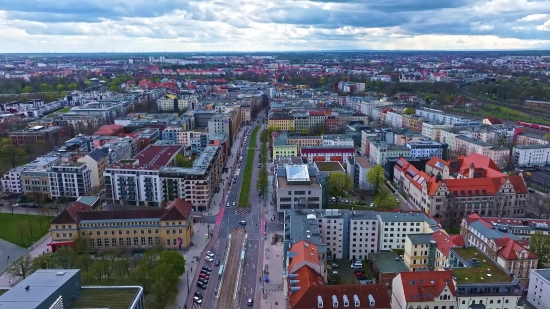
{"x": 70, "y": 180}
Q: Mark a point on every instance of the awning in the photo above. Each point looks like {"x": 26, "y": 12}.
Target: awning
{"x": 61, "y": 243}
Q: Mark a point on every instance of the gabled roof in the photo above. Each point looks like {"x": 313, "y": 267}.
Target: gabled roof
{"x": 437, "y": 163}
{"x": 70, "y": 214}
{"x": 479, "y": 161}
{"x": 305, "y": 277}
{"x": 304, "y": 251}
{"x": 512, "y": 251}
{"x": 426, "y": 285}
{"x": 444, "y": 242}
{"x": 97, "y": 155}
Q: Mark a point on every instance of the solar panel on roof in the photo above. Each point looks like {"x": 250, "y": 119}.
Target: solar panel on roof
{"x": 439, "y": 165}
{"x": 411, "y": 172}
{"x": 399, "y": 163}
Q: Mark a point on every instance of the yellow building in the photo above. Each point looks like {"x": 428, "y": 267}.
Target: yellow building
{"x": 281, "y": 122}
{"x": 429, "y": 251}
{"x": 281, "y": 148}
{"x": 81, "y": 228}
{"x": 35, "y": 184}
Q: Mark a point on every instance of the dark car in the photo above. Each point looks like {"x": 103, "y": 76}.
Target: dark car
{"x": 207, "y": 268}
{"x": 206, "y": 272}
{"x": 243, "y": 223}
{"x": 217, "y": 263}
{"x": 199, "y": 295}
{"x": 362, "y": 278}
{"x": 203, "y": 280}
{"x": 201, "y": 285}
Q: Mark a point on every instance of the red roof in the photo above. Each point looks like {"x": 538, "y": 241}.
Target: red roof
{"x": 157, "y": 155}
{"x": 422, "y": 286}
{"x": 493, "y": 120}
{"x": 444, "y": 242}
{"x": 326, "y": 150}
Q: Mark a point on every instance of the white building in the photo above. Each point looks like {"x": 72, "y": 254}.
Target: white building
{"x": 11, "y": 182}
{"x": 539, "y": 288}
{"x": 433, "y": 131}
{"x": 173, "y": 103}
{"x": 70, "y": 180}
{"x": 337, "y": 141}
{"x": 379, "y": 151}
{"x": 394, "y": 119}
{"x": 426, "y": 148}
{"x": 395, "y": 226}
{"x": 531, "y": 155}
{"x": 363, "y": 235}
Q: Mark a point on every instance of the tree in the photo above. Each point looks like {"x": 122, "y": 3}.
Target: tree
{"x": 539, "y": 205}
{"x": 376, "y": 177}
{"x": 22, "y": 267}
{"x": 45, "y": 88}
{"x": 10, "y": 153}
{"x": 539, "y": 244}
{"x": 45, "y": 261}
{"x": 183, "y": 161}
{"x": 263, "y": 181}
{"x": 409, "y": 111}
{"x": 72, "y": 87}
{"x": 175, "y": 259}
{"x": 27, "y": 89}
{"x": 67, "y": 258}
{"x": 318, "y": 129}
{"x": 60, "y": 87}
{"x": 384, "y": 200}
{"x": 339, "y": 184}
{"x": 451, "y": 213}
{"x": 164, "y": 288}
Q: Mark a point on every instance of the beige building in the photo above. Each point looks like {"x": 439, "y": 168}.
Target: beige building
{"x": 97, "y": 162}
{"x": 81, "y": 228}
{"x": 36, "y": 184}
{"x": 465, "y": 145}
{"x": 430, "y": 251}
{"x": 531, "y": 139}
{"x": 301, "y": 141}
{"x": 433, "y": 131}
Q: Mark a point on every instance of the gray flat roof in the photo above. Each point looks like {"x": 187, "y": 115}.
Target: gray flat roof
{"x": 545, "y": 273}
{"x": 388, "y": 262}
{"x": 420, "y": 239}
{"x": 491, "y": 233}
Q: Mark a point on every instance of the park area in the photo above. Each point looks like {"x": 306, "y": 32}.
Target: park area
{"x": 23, "y": 230}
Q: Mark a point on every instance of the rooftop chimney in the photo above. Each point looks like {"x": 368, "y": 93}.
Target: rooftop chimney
{"x": 472, "y": 169}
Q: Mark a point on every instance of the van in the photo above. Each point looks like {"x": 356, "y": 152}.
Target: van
{"x": 357, "y": 265}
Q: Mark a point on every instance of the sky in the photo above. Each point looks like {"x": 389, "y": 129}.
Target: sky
{"x": 271, "y": 25}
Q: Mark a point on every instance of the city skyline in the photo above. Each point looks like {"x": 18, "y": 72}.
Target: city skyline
{"x": 38, "y": 26}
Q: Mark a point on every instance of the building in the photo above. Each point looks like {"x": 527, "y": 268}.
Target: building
{"x": 302, "y": 141}
{"x": 62, "y": 289}
{"x": 465, "y": 145}
{"x": 110, "y": 130}
{"x": 505, "y": 248}
{"x": 297, "y": 187}
{"x": 427, "y": 148}
{"x": 425, "y": 290}
{"x": 480, "y": 281}
{"x": 136, "y": 181}
{"x": 396, "y": 225}
{"x": 12, "y": 179}
{"x": 531, "y": 155}
{"x": 96, "y": 161}
{"x": 358, "y": 167}
{"x": 35, "y": 184}
{"x": 173, "y": 103}
{"x": 30, "y": 136}
{"x": 380, "y": 151}
{"x": 70, "y": 180}
{"x": 228, "y": 124}
{"x": 538, "y": 293}
{"x": 282, "y": 148}
{"x": 327, "y": 153}
{"x": 128, "y": 230}
{"x": 281, "y": 122}
{"x": 385, "y": 265}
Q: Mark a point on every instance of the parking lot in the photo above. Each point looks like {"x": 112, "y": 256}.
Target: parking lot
{"x": 345, "y": 274}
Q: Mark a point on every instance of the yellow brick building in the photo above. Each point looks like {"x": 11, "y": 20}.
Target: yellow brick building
{"x": 281, "y": 122}
{"x": 81, "y": 228}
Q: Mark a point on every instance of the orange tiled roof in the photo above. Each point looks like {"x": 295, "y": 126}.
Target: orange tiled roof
{"x": 444, "y": 242}
{"x": 304, "y": 251}
{"x": 306, "y": 278}
{"x": 433, "y": 162}
{"x": 426, "y": 285}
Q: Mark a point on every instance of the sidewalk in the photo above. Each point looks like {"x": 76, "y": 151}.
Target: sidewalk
{"x": 272, "y": 292}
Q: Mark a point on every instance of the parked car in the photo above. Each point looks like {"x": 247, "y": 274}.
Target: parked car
{"x": 209, "y": 259}
{"x": 210, "y": 254}
{"x": 201, "y": 285}
{"x": 199, "y": 295}
{"x": 203, "y": 281}
{"x": 250, "y": 302}
{"x": 217, "y": 263}
{"x": 205, "y": 276}
{"x": 334, "y": 265}
{"x": 207, "y": 268}
{"x": 362, "y": 278}
{"x": 243, "y": 223}
{"x": 206, "y": 272}
{"x": 197, "y": 300}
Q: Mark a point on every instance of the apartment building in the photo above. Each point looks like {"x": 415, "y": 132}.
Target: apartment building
{"x": 180, "y": 136}
{"x": 427, "y": 148}
{"x": 297, "y": 187}
{"x": 79, "y": 123}
{"x": 136, "y": 181}
{"x": 301, "y": 141}
{"x": 440, "y": 117}
{"x": 30, "y": 136}
{"x": 198, "y": 183}
{"x": 424, "y": 290}
{"x": 531, "y": 139}
{"x": 465, "y": 146}
{"x": 538, "y": 293}
{"x": 508, "y": 250}
{"x": 91, "y": 231}
{"x": 228, "y": 124}
{"x": 174, "y": 103}
{"x": 12, "y": 181}
{"x": 531, "y": 155}
{"x": 35, "y": 184}
{"x": 327, "y": 153}
{"x": 96, "y": 161}
{"x": 379, "y": 151}
{"x": 282, "y": 148}
{"x": 70, "y": 180}
{"x": 281, "y": 122}
{"x": 394, "y": 119}
{"x": 358, "y": 167}
{"x": 395, "y": 226}
{"x": 480, "y": 281}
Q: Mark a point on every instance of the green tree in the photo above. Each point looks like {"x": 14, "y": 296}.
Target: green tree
{"x": 45, "y": 88}
{"x": 175, "y": 259}
{"x": 376, "y": 177}
{"x": 22, "y": 267}
{"x": 409, "y": 111}
{"x": 67, "y": 258}
{"x": 45, "y": 261}
{"x": 384, "y": 200}
{"x": 539, "y": 244}
{"x": 60, "y": 87}
{"x": 305, "y": 131}
{"x": 339, "y": 184}
{"x": 164, "y": 288}
{"x": 27, "y": 89}
{"x": 263, "y": 181}
{"x": 183, "y": 161}
{"x": 72, "y": 87}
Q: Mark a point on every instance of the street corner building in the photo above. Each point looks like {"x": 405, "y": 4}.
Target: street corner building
{"x": 126, "y": 230}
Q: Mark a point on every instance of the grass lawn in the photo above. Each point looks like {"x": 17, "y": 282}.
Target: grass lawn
{"x": 105, "y": 298}
{"x": 64, "y": 110}
{"x": 28, "y": 228}
{"x": 332, "y": 205}
{"x": 487, "y": 270}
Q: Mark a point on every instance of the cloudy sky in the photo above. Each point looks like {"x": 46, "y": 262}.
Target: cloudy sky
{"x": 271, "y": 25}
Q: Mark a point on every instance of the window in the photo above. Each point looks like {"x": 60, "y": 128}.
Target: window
{"x": 99, "y": 243}
{"x": 128, "y": 241}
{"x": 121, "y": 242}
{"x": 143, "y": 241}
{"x": 113, "y": 241}
{"x": 150, "y": 241}
{"x": 106, "y": 242}
{"x": 92, "y": 243}
{"x": 168, "y": 242}
{"x": 136, "y": 242}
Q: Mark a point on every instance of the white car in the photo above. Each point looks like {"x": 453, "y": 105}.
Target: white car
{"x": 197, "y": 300}
{"x": 210, "y": 254}
{"x": 209, "y": 259}
{"x": 234, "y": 204}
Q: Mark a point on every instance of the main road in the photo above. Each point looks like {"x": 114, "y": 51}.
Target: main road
{"x": 228, "y": 221}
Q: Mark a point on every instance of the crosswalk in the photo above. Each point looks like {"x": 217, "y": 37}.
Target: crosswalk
{"x": 216, "y": 245}
{"x": 195, "y": 306}
{"x": 238, "y": 231}
{"x": 242, "y": 211}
